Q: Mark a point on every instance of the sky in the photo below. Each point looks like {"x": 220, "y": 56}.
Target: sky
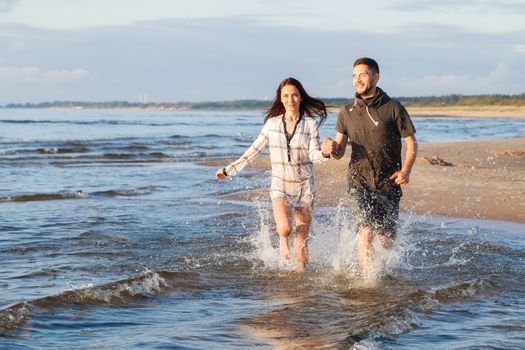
{"x": 212, "y": 50}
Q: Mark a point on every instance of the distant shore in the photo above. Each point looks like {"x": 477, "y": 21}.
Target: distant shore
{"x": 514, "y": 112}
{"x": 470, "y": 112}
{"x": 472, "y": 179}
{"x": 415, "y": 108}
{"x": 453, "y": 112}
{"x": 517, "y": 112}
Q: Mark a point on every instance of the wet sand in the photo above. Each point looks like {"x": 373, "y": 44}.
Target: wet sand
{"x": 473, "y": 179}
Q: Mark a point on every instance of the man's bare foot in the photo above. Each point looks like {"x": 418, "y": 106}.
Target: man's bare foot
{"x": 284, "y": 248}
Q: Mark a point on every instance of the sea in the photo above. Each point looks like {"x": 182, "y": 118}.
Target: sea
{"x": 114, "y": 234}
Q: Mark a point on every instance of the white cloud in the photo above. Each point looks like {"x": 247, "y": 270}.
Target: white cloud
{"x": 479, "y": 6}
{"x": 519, "y": 47}
{"x": 7, "y": 5}
{"x": 501, "y": 78}
{"x": 501, "y": 74}
{"x": 231, "y": 58}
{"x": 37, "y": 76}
{"x": 478, "y": 15}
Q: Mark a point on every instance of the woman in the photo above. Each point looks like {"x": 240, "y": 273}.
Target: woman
{"x": 291, "y": 132}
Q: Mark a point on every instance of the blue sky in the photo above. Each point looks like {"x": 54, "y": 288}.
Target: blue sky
{"x": 200, "y": 50}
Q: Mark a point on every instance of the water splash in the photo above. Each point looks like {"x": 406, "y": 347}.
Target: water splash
{"x": 332, "y": 247}
{"x": 265, "y": 241}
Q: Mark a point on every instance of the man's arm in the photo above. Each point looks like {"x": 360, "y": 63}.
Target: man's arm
{"x": 340, "y": 145}
{"x": 402, "y": 177}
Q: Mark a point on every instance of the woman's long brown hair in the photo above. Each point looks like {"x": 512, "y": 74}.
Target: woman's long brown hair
{"x": 310, "y": 106}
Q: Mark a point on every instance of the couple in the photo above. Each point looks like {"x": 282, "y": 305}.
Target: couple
{"x": 374, "y": 124}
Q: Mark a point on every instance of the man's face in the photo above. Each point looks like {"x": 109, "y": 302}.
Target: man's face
{"x": 364, "y": 80}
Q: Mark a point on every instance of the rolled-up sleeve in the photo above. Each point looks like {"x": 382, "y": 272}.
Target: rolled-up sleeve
{"x": 315, "y": 153}
{"x": 251, "y": 153}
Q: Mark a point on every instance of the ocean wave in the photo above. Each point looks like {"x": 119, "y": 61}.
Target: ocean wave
{"x": 125, "y": 193}
{"x": 198, "y": 154}
{"x": 175, "y": 142}
{"x": 243, "y": 139}
{"x": 117, "y": 294}
{"x": 125, "y": 156}
{"x": 115, "y": 156}
{"x": 98, "y": 254}
{"x": 13, "y": 317}
{"x": 136, "y": 157}
{"x": 42, "y": 197}
{"x": 95, "y": 235}
{"x": 466, "y": 290}
{"x": 127, "y": 149}
{"x": 28, "y": 121}
{"x": 140, "y": 191}
{"x": 85, "y": 122}
{"x": 458, "y": 292}
{"x": 59, "y": 150}
{"x": 367, "y": 344}
{"x": 95, "y": 142}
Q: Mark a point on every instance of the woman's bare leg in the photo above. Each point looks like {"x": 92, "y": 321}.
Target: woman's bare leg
{"x": 303, "y": 219}
{"x": 282, "y": 215}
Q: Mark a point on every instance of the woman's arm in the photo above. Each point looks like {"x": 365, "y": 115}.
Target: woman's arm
{"x": 251, "y": 153}
{"x": 314, "y": 150}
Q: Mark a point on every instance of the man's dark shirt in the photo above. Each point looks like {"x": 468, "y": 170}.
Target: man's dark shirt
{"x": 374, "y": 128}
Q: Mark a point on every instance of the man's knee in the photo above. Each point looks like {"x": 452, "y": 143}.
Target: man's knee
{"x": 365, "y": 234}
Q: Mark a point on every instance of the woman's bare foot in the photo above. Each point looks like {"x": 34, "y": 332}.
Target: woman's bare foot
{"x": 284, "y": 248}
{"x": 299, "y": 265}
{"x": 301, "y": 251}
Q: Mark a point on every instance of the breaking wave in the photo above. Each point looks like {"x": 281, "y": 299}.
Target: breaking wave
{"x": 121, "y": 294}
{"x": 141, "y": 191}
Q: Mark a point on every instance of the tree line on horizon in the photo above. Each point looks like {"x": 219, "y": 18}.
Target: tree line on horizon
{"x": 424, "y": 101}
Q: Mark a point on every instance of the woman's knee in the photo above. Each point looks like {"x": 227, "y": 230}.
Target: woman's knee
{"x": 302, "y": 230}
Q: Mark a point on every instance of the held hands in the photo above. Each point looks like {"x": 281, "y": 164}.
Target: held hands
{"x": 400, "y": 177}
{"x": 328, "y": 147}
{"x": 219, "y": 174}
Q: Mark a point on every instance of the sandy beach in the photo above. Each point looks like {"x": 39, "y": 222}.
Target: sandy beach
{"x": 474, "y": 179}
{"x": 515, "y": 112}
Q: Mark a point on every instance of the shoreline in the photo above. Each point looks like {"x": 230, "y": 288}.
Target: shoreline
{"x": 468, "y": 179}
{"x": 514, "y": 112}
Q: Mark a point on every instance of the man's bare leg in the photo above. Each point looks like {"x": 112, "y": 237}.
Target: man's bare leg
{"x": 365, "y": 250}
{"x": 386, "y": 242}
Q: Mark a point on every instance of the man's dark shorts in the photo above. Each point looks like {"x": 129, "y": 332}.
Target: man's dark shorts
{"x": 378, "y": 211}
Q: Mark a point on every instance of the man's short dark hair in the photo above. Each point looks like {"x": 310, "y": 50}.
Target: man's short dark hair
{"x": 370, "y": 62}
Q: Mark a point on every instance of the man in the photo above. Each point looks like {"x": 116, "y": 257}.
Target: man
{"x": 375, "y": 125}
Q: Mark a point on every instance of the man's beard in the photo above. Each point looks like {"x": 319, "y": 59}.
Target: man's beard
{"x": 365, "y": 92}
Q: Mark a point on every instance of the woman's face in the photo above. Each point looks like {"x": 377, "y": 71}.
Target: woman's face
{"x": 291, "y": 99}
